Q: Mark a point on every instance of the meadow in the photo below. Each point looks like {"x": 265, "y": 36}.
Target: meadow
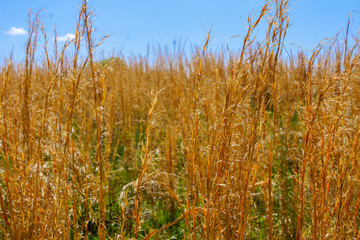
{"x": 256, "y": 143}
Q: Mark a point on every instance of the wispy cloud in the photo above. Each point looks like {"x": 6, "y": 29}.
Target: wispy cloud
{"x": 67, "y": 37}
{"x": 14, "y": 31}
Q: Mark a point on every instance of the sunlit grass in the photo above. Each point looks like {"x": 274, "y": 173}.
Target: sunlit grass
{"x": 258, "y": 145}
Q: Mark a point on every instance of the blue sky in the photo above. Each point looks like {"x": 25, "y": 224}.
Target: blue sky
{"x": 133, "y": 24}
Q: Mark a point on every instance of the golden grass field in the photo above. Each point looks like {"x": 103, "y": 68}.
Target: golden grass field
{"x": 252, "y": 144}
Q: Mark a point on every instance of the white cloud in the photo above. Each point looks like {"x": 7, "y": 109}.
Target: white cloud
{"x": 66, "y": 37}
{"x": 16, "y": 31}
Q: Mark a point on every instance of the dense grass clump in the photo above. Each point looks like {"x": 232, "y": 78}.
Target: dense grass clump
{"x": 258, "y": 145}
